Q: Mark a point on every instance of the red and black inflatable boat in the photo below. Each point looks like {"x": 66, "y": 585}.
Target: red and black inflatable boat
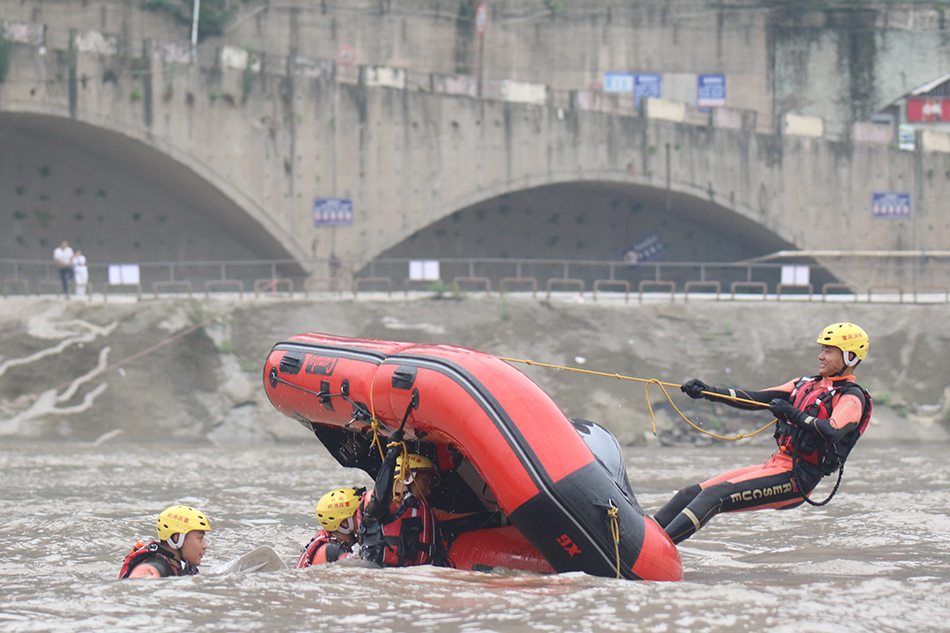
{"x": 499, "y": 440}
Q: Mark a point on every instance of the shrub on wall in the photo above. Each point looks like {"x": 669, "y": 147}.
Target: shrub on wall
{"x": 212, "y": 14}
{"x": 247, "y": 79}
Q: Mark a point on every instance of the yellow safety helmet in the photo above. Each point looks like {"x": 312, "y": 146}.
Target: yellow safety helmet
{"x": 847, "y": 337}
{"x": 336, "y": 506}
{"x": 180, "y": 520}
{"x": 418, "y": 463}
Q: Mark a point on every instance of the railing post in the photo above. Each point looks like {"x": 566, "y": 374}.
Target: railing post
{"x": 224, "y": 274}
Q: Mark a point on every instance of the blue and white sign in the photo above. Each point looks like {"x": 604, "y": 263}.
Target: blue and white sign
{"x": 890, "y": 204}
{"x": 906, "y": 139}
{"x": 618, "y": 82}
{"x": 332, "y": 211}
{"x": 646, "y": 85}
{"x": 644, "y": 250}
{"x": 710, "y": 92}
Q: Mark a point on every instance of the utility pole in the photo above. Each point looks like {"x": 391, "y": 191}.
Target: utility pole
{"x": 481, "y": 21}
{"x": 194, "y": 28}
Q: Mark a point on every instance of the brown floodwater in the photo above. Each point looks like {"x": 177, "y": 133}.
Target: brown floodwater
{"x": 874, "y": 559}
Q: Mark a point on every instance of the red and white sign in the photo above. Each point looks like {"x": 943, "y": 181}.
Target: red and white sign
{"x": 346, "y": 55}
{"x": 481, "y": 19}
{"x": 928, "y": 110}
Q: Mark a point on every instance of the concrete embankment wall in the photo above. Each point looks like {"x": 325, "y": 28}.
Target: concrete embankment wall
{"x": 135, "y": 370}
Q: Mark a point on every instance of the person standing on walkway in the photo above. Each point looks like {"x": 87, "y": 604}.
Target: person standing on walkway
{"x": 63, "y": 257}
{"x": 819, "y": 420}
{"x": 80, "y": 273}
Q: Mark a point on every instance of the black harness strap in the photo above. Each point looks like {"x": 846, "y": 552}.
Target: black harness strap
{"x": 795, "y": 473}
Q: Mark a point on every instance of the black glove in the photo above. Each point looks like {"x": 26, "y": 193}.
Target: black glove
{"x": 694, "y": 388}
{"x": 396, "y": 436}
{"x": 783, "y": 410}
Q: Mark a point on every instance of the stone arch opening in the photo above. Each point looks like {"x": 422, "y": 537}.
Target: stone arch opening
{"x": 596, "y": 221}
{"x": 116, "y": 198}
{"x": 591, "y": 221}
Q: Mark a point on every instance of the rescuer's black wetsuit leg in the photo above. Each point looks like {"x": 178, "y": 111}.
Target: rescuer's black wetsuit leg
{"x": 771, "y": 485}
{"x": 675, "y": 505}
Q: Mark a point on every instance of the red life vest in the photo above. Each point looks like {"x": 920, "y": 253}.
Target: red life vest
{"x": 818, "y": 400}
{"x": 405, "y": 536}
{"x": 333, "y": 550}
{"x": 164, "y": 561}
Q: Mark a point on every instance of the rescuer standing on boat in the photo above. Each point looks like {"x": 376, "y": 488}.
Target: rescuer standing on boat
{"x": 819, "y": 420}
{"x": 178, "y": 552}
{"x": 337, "y": 513}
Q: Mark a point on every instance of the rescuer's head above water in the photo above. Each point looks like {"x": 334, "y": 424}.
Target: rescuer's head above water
{"x": 336, "y": 512}
{"x": 177, "y": 552}
{"x": 183, "y": 529}
{"x": 420, "y": 475}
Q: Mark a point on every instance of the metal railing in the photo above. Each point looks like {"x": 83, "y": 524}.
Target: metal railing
{"x": 589, "y": 272}
{"x": 923, "y": 281}
{"x": 165, "y": 278}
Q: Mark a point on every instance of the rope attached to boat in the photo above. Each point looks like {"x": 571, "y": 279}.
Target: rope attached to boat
{"x": 646, "y": 392}
{"x": 612, "y": 513}
{"x": 403, "y": 467}
{"x": 374, "y": 425}
{"x": 374, "y": 422}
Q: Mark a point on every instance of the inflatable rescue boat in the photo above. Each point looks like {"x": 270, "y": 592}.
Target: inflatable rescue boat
{"x": 500, "y": 442}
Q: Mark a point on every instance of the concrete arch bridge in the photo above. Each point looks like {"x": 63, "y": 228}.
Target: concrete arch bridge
{"x": 153, "y": 157}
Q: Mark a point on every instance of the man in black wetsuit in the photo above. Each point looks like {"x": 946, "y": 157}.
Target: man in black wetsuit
{"x": 819, "y": 419}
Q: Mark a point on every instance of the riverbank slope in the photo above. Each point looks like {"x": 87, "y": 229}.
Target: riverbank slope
{"x": 142, "y": 371}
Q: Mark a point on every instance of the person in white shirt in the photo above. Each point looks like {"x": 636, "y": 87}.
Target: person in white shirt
{"x": 80, "y": 273}
{"x": 63, "y": 256}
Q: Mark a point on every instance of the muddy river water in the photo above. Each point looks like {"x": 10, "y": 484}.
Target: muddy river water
{"x": 875, "y": 559}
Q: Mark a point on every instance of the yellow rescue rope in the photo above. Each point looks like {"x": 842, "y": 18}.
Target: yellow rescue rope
{"x": 404, "y": 469}
{"x": 646, "y": 391}
{"x": 375, "y": 426}
{"x": 615, "y": 532}
{"x": 374, "y": 423}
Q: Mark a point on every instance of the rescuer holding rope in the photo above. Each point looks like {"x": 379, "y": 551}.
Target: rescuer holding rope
{"x": 819, "y": 420}
{"x": 397, "y": 526}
